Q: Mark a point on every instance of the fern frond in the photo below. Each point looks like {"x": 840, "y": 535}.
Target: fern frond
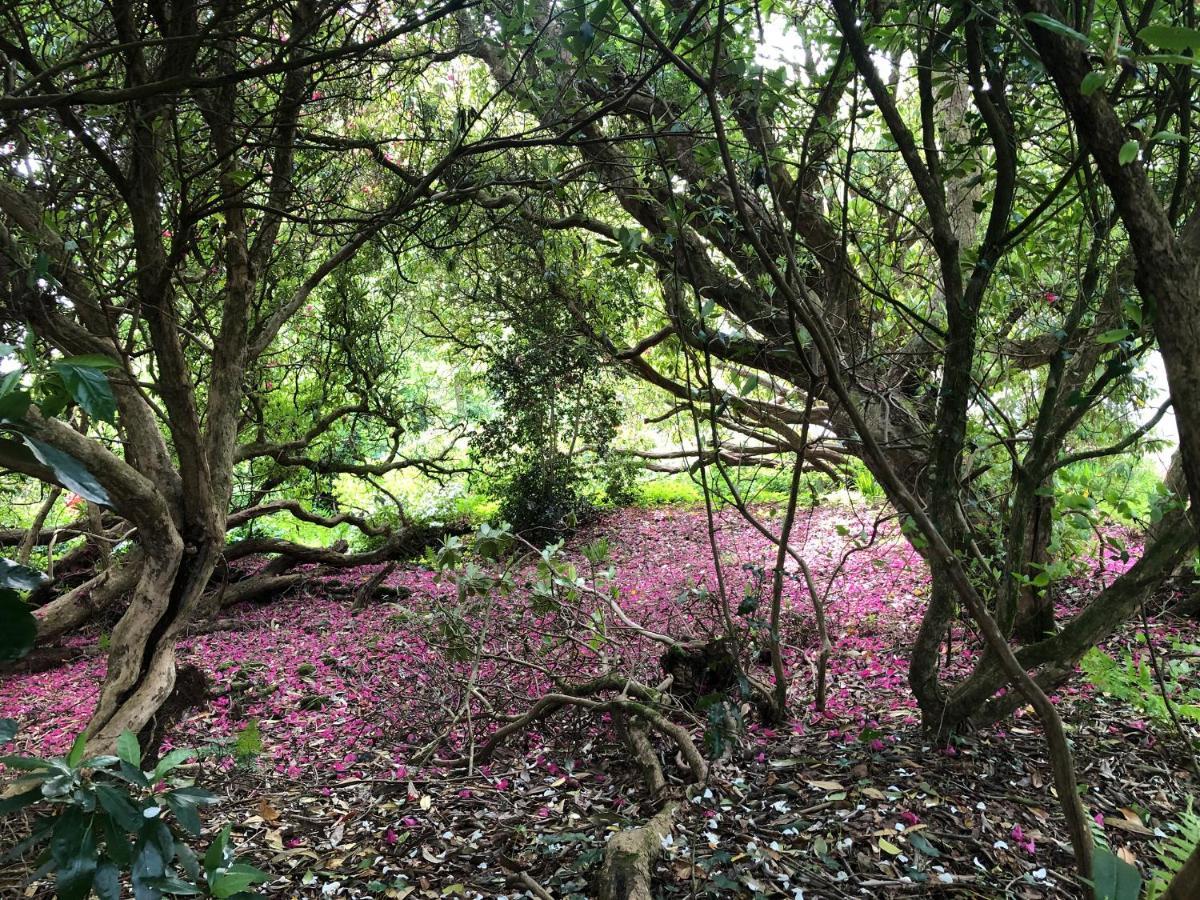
{"x": 1174, "y": 851}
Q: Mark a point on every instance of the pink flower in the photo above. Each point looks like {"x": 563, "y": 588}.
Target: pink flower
{"x": 910, "y": 818}
{"x": 391, "y": 837}
{"x": 1022, "y": 841}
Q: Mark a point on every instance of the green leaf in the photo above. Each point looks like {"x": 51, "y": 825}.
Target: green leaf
{"x": 18, "y": 577}
{"x": 90, "y": 388}
{"x": 888, "y": 847}
{"x": 156, "y": 830}
{"x": 78, "y": 748}
{"x": 8, "y": 730}
{"x": 69, "y": 470}
{"x": 19, "y": 801}
{"x": 73, "y": 880}
{"x": 171, "y": 761}
{"x": 107, "y": 883}
{"x": 18, "y": 627}
{"x": 1113, "y": 336}
{"x": 31, "y": 763}
{"x": 236, "y": 879}
{"x": 217, "y": 853}
{"x": 14, "y": 405}
{"x": 147, "y": 866}
{"x": 1167, "y": 59}
{"x": 187, "y": 859}
{"x": 128, "y": 749}
{"x": 133, "y": 774}
{"x": 1170, "y": 37}
{"x": 1167, "y": 137}
{"x": 1128, "y": 153}
{"x": 170, "y": 884}
{"x": 69, "y": 833}
{"x": 194, "y": 795}
{"x": 91, "y": 361}
{"x": 186, "y": 815}
{"x": 116, "y": 844}
{"x": 1113, "y": 878}
{"x": 1091, "y": 83}
{"x": 118, "y": 804}
{"x": 1056, "y": 25}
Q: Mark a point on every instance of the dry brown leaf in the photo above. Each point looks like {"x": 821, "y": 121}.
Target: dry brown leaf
{"x": 269, "y": 813}
{"x": 826, "y": 785}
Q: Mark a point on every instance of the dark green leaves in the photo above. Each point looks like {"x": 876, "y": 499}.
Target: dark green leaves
{"x": 117, "y": 804}
{"x": 84, "y": 379}
{"x": 18, "y": 577}
{"x": 183, "y": 802}
{"x": 18, "y": 627}
{"x": 128, "y": 750}
{"x": 99, "y": 827}
{"x": 1057, "y": 26}
{"x": 73, "y": 851}
{"x": 70, "y": 471}
{"x": 1091, "y": 83}
{"x": 14, "y": 400}
{"x": 1171, "y": 37}
{"x": 107, "y": 883}
{"x": 1113, "y": 878}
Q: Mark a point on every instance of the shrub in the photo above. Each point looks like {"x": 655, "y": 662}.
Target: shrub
{"x": 103, "y": 818}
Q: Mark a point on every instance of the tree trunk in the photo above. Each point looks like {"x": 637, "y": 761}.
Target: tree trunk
{"x": 1186, "y": 883}
{"x": 974, "y": 703}
{"x": 1035, "y": 606}
{"x": 76, "y": 606}
{"x": 141, "y": 672}
{"x": 924, "y": 663}
{"x": 629, "y": 858}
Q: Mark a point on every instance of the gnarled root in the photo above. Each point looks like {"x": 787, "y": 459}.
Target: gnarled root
{"x": 629, "y": 858}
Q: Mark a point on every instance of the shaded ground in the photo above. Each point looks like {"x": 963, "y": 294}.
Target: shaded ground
{"x": 849, "y": 802}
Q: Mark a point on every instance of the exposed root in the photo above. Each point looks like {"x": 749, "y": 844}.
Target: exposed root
{"x": 629, "y": 858}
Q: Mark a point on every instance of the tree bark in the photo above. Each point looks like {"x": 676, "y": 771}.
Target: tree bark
{"x": 629, "y": 858}
{"x": 1186, "y": 883}
{"x": 1035, "y": 605}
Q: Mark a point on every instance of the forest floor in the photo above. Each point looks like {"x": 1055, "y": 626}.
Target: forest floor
{"x": 319, "y": 714}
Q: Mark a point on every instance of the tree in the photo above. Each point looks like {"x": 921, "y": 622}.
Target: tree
{"x": 921, "y": 216}
{"x": 182, "y": 183}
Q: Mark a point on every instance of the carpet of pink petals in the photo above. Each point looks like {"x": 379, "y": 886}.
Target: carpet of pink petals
{"x": 337, "y": 694}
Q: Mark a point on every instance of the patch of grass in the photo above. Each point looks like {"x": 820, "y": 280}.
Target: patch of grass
{"x": 476, "y": 507}
{"x": 754, "y": 486}
{"x": 668, "y": 490}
